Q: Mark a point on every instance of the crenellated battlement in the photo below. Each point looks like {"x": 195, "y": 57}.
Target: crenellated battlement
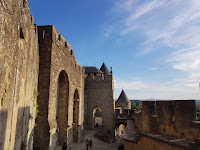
{"x": 50, "y": 34}
{"x": 168, "y": 117}
{"x": 124, "y": 113}
{"x": 78, "y": 68}
{"x": 98, "y": 78}
{"x": 99, "y": 82}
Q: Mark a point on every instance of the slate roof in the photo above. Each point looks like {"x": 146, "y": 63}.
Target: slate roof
{"x": 92, "y": 69}
{"x": 123, "y": 98}
{"x": 105, "y": 70}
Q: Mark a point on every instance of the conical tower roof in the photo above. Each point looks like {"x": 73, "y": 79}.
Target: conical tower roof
{"x": 105, "y": 70}
{"x": 123, "y": 98}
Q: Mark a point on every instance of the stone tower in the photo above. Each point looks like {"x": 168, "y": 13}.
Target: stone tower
{"x": 99, "y": 91}
{"x": 123, "y": 101}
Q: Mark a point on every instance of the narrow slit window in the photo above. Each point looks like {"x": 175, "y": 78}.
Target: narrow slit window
{"x": 43, "y": 34}
{"x": 21, "y": 33}
{"x": 24, "y": 3}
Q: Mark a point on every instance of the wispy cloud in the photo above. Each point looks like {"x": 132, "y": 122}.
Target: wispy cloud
{"x": 165, "y": 23}
{"x": 153, "y": 68}
{"x": 172, "y": 26}
{"x": 134, "y": 85}
{"x": 186, "y": 59}
{"x": 172, "y": 89}
{"x": 142, "y": 10}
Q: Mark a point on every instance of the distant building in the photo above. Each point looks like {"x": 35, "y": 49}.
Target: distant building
{"x": 123, "y": 101}
{"x": 99, "y": 100}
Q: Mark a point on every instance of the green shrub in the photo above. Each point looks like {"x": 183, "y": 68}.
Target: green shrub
{"x": 35, "y": 93}
{"x": 198, "y": 116}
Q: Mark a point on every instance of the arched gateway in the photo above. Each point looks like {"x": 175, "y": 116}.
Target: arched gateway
{"x": 62, "y": 107}
{"x": 97, "y": 117}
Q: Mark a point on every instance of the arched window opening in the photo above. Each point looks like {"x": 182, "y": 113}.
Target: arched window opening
{"x": 21, "y": 33}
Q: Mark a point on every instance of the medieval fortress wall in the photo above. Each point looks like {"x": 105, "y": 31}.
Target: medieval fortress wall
{"x": 46, "y": 97}
{"x": 60, "y": 77}
{"x": 37, "y": 60}
{"x": 19, "y": 67}
{"x": 166, "y": 125}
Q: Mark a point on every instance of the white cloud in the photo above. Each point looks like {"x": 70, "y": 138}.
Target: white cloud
{"x": 175, "y": 24}
{"x": 186, "y": 59}
{"x": 133, "y": 84}
{"x": 167, "y": 22}
{"x": 172, "y": 24}
{"x": 153, "y": 68}
{"x": 142, "y": 10}
{"x": 172, "y": 89}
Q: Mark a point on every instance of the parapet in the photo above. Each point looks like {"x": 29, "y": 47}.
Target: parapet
{"x": 148, "y": 107}
{"x": 50, "y": 33}
{"x": 124, "y": 113}
{"x": 98, "y": 78}
{"x": 175, "y": 118}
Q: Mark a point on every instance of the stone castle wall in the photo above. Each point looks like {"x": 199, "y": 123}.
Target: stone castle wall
{"x": 166, "y": 125}
{"x": 19, "y": 66}
{"x": 37, "y": 60}
{"x": 146, "y": 143}
{"x": 56, "y": 58}
{"x": 99, "y": 93}
{"x": 175, "y": 118}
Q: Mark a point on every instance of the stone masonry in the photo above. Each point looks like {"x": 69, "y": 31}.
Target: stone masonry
{"x": 19, "y": 67}
{"x": 166, "y": 125}
{"x": 47, "y": 99}
{"x": 61, "y": 84}
{"x": 99, "y": 91}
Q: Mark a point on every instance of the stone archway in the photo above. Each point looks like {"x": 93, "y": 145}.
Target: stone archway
{"x": 75, "y": 116}
{"x": 120, "y": 131}
{"x": 120, "y": 127}
{"x": 62, "y": 107}
{"x": 97, "y": 117}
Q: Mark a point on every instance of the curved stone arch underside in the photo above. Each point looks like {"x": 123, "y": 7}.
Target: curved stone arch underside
{"x": 120, "y": 127}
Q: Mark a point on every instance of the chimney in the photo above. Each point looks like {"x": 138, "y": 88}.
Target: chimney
{"x": 111, "y": 70}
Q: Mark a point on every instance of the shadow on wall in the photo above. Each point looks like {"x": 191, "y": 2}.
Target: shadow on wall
{"x": 22, "y": 128}
{"x": 3, "y": 123}
{"x": 22, "y": 141}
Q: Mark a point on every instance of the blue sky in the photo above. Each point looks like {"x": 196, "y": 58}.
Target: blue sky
{"x": 152, "y": 45}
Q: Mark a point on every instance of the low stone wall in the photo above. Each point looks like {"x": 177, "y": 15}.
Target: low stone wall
{"x": 148, "y": 141}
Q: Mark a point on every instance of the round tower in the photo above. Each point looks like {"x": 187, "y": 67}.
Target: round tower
{"x": 123, "y": 101}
